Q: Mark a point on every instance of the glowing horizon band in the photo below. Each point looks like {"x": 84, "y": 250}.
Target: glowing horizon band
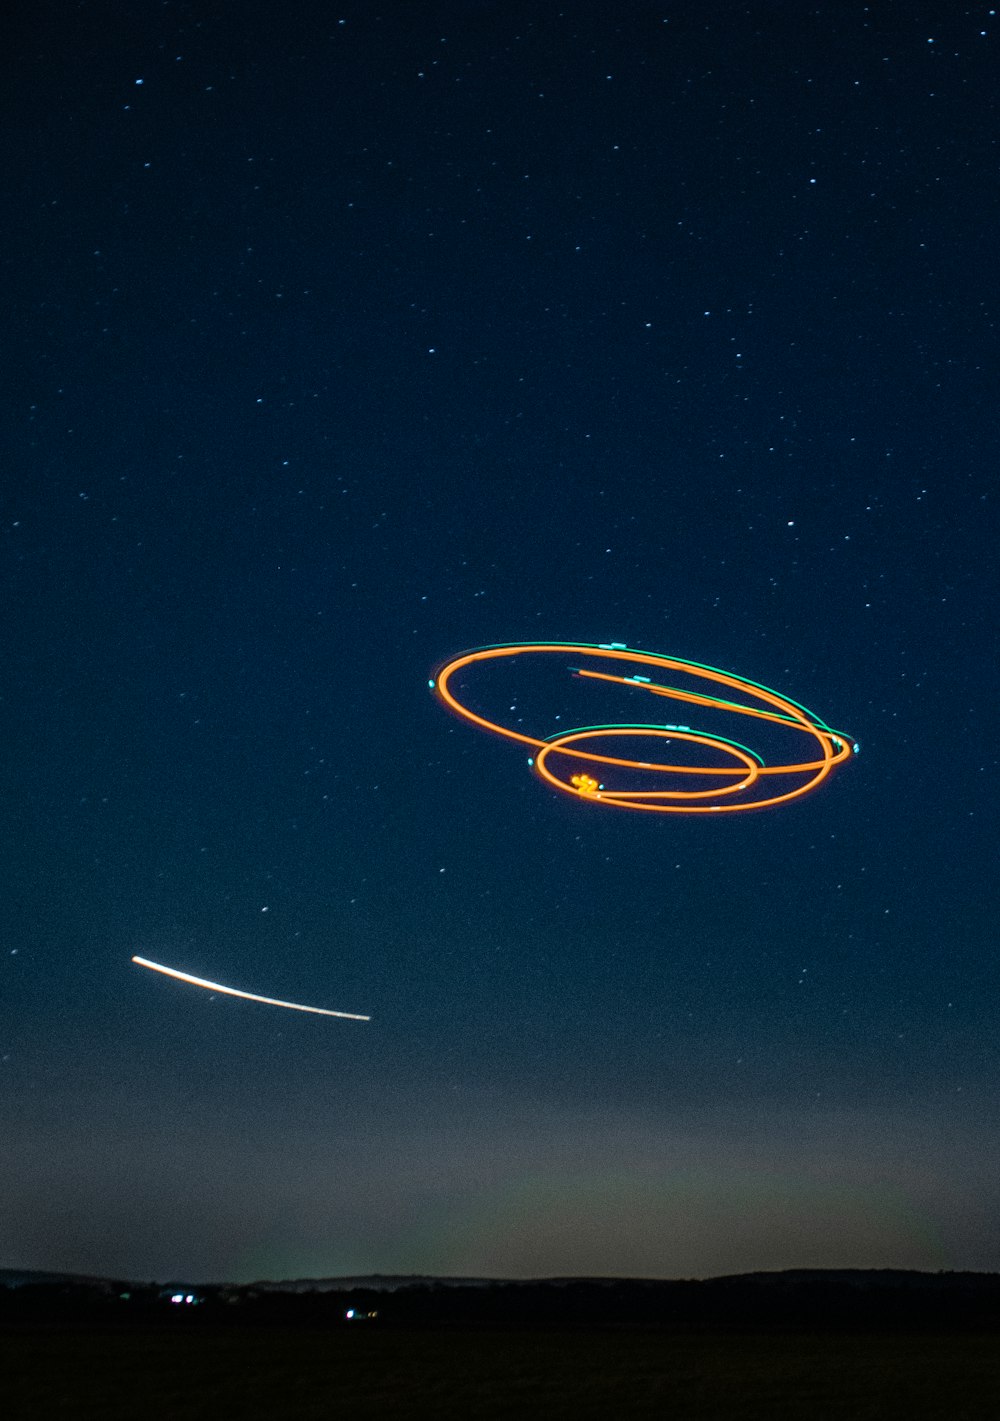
{"x": 834, "y": 746}
{"x": 246, "y": 996}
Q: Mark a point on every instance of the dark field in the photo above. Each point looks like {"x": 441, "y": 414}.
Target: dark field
{"x": 374, "y": 1372}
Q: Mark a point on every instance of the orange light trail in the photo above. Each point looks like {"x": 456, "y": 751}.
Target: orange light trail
{"x": 748, "y": 776}
{"x": 247, "y": 996}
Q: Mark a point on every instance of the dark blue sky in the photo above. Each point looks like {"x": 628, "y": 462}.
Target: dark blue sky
{"x": 341, "y": 340}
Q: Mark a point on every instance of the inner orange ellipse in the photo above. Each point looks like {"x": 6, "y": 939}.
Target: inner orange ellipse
{"x": 634, "y": 799}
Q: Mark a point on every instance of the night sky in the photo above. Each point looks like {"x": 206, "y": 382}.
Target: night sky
{"x": 341, "y": 339}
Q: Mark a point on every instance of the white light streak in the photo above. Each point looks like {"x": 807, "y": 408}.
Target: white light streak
{"x": 247, "y": 996}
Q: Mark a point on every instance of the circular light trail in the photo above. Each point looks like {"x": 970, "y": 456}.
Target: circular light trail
{"x": 570, "y": 761}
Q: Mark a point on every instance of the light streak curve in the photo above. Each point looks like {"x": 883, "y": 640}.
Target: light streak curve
{"x": 246, "y": 996}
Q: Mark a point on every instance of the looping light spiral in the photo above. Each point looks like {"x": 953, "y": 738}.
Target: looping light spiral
{"x": 570, "y": 761}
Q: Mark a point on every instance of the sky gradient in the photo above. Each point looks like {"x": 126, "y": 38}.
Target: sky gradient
{"x": 342, "y": 340}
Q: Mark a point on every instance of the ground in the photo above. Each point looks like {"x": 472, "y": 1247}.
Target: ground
{"x": 118, "y": 1375}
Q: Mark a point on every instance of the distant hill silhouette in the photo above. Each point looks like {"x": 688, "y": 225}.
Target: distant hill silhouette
{"x": 804, "y": 1299}
{"x": 375, "y": 1282}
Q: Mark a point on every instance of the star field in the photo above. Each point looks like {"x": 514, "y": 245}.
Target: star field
{"x": 343, "y": 341}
